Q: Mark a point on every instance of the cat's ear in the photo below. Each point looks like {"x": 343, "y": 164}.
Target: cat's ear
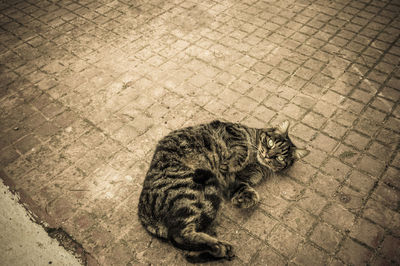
{"x": 300, "y": 153}
{"x": 283, "y": 127}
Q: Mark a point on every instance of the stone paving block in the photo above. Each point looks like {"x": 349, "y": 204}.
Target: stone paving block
{"x": 293, "y": 111}
{"x": 380, "y": 151}
{"x": 266, "y": 255}
{"x": 27, "y": 143}
{"x": 314, "y": 120}
{"x": 304, "y": 172}
{"x": 275, "y": 103}
{"x": 382, "y": 215}
{"x": 367, "y": 126}
{"x": 316, "y": 158}
{"x": 325, "y": 185}
{"x": 65, "y": 206}
{"x": 309, "y": 255}
{"x": 367, "y": 233}
{"x": 257, "y": 218}
{"x": 298, "y": 220}
{"x": 322, "y": 107}
{"x": 390, "y": 177}
{"x": 303, "y": 131}
{"x": 245, "y": 104}
{"x": 336, "y": 168}
{"x": 312, "y": 202}
{"x": 387, "y": 195}
{"x": 324, "y": 143}
{"x": 284, "y": 241}
{"x": 158, "y": 252}
{"x": 360, "y": 182}
{"x": 16, "y": 133}
{"x": 339, "y": 217}
{"x": 263, "y": 113}
{"x": 75, "y": 151}
{"x": 244, "y": 250}
{"x": 371, "y": 166}
{"x": 389, "y": 249}
{"x": 273, "y": 204}
{"x": 326, "y": 237}
{"x": 98, "y": 241}
{"x": 345, "y": 118}
{"x": 356, "y": 140}
{"x": 354, "y": 253}
{"x": 347, "y": 154}
{"x": 232, "y": 114}
{"x": 382, "y": 261}
{"x": 46, "y": 130}
{"x": 302, "y": 99}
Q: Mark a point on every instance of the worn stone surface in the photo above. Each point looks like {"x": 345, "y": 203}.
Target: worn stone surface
{"x": 88, "y": 87}
{"x": 24, "y": 242}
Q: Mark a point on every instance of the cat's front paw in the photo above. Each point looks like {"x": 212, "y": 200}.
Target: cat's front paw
{"x": 246, "y": 199}
{"x": 223, "y": 250}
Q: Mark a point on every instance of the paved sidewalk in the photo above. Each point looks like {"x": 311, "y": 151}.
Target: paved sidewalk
{"x": 22, "y": 242}
{"x": 88, "y": 87}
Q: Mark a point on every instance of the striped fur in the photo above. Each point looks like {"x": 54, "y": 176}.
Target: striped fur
{"x": 194, "y": 168}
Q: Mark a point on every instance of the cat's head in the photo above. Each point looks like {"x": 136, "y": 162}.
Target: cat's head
{"x": 276, "y": 150}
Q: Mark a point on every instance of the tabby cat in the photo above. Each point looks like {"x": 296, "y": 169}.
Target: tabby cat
{"x": 194, "y": 168}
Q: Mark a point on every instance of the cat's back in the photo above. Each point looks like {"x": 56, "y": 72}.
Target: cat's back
{"x": 185, "y": 148}
{"x": 190, "y": 139}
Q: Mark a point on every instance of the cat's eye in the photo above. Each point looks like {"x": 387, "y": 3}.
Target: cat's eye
{"x": 280, "y": 158}
{"x": 270, "y": 143}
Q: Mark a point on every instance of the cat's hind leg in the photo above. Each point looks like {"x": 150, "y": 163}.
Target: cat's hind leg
{"x": 190, "y": 239}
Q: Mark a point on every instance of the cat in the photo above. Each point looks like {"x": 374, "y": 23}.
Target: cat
{"x": 194, "y": 168}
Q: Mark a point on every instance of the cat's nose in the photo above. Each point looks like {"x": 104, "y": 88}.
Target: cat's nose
{"x": 271, "y": 153}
